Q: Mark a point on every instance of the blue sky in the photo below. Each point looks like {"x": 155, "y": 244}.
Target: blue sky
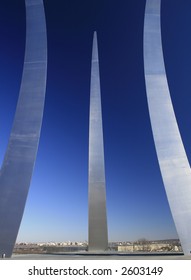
{"x": 57, "y": 206}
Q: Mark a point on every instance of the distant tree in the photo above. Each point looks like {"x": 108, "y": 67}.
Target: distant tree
{"x": 145, "y": 244}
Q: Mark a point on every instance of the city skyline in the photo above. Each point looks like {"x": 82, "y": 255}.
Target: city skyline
{"x": 57, "y": 205}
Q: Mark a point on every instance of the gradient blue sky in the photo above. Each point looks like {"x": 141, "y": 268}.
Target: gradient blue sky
{"x": 57, "y": 206}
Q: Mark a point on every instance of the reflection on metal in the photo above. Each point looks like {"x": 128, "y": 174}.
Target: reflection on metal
{"x": 16, "y": 171}
{"x": 98, "y": 236}
{"x": 175, "y": 169}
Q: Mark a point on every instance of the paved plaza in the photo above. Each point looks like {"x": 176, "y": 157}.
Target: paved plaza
{"x": 96, "y": 256}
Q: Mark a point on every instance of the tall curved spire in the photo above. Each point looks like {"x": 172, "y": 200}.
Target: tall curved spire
{"x": 17, "y": 168}
{"x": 174, "y": 165}
{"x": 98, "y": 236}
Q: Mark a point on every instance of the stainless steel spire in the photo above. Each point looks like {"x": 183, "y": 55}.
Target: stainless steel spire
{"x": 175, "y": 168}
{"x": 16, "y": 171}
{"x": 98, "y": 236}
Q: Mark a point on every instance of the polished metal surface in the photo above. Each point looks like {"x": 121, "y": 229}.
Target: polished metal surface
{"x": 174, "y": 165}
{"x": 18, "y": 164}
{"x": 98, "y": 236}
